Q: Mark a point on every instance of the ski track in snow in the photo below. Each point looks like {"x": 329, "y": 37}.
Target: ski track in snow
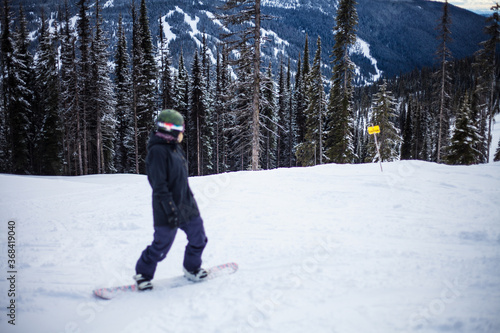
{"x": 332, "y": 248}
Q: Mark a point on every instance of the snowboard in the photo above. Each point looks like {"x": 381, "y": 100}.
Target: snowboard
{"x": 174, "y": 282}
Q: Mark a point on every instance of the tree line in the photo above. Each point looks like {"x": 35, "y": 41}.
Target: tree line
{"x": 66, "y": 111}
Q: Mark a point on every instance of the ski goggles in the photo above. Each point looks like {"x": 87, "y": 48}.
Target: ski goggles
{"x": 169, "y": 126}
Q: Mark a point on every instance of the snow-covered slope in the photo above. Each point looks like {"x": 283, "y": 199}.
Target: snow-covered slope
{"x": 333, "y": 248}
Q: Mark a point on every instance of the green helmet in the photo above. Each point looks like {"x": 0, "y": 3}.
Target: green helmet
{"x": 170, "y": 121}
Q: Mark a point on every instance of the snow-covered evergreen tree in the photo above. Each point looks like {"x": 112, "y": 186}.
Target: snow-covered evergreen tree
{"x": 284, "y": 144}
{"x": 462, "y": 149}
{"x": 408, "y": 114}
{"x": 311, "y": 151}
{"x": 239, "y": 130}
{"x": 47, "y": 128}
{"x": 21, "y": 101}
{"x": 340, "y": 122}
{"x": 245, "y": 16}
{"x": 300, "y": 98}
{"x": 486, "y": 92}
{"x": 269, "y": 123}
{"x": 199, "y": 128}
{"x": 145, "y": 78}
{"x": 181, "y": 96}
{"x": 443, "y": 81}
{"x": 166, "y": 77}
{"x": 496, "y": 158}
{"x": 222, "y": 117}
{"x": 292, "y": 119}
{"x": 210, "y": 118}
{"x": 86, "y": 121}
{"x": 384, "y": 115}
{"x": 6, "y": 81}
{"x": 68, "y": 101}
{"x": 124, "y": 140}
{"x": 182, "y": 87}
{"x": 421, "y": 147}
{"x": 298, "y": 102}
{"x": 103, "y": 99}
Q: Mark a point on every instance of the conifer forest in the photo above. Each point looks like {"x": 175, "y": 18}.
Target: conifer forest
{"x": 74, "y": 105}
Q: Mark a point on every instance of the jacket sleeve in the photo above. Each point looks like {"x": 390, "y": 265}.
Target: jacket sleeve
{"x": 158, "y": 174}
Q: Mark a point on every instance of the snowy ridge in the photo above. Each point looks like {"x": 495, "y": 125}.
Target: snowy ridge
{"x": 332, "y": 248}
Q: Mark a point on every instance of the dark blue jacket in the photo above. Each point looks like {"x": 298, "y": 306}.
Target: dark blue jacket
{"x": 166, "y": 167}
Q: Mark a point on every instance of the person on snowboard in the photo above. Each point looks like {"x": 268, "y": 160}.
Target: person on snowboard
{"x": 174, "y": 206}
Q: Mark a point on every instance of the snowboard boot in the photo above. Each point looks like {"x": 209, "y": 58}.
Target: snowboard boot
{"x": 143, "y": 283}
{"x": 196, "y": 276}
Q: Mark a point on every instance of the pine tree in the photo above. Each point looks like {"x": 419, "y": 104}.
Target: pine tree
{"x": 284, "y": 143}
{"x": 479, "y": 111}
{"x": 239, "y": 125}
{"x": 68, "y": 101}
{"x": 47, "y": 128}
{"x": 144, "y": 84}
{"x": 311, "y": 151}
{"x": 306, "y": 64}
{"x": 420, "y": 125}
{"x": 103, "y": 99}
{"x": 205, "y": 66}
{"x": 292, "y": 119}
{"x": 166, "y": 78}
{"x": 487, "y": 85}
{"x": 465, "y": 137}
{"x": 182, "y": 96}
{"x": 339, "y": 126}
{"x": 298, "y": 102}
{"x": 300, "y": 95}
{"x": 268, "y": 121}
{"x": 444, "y": 79}
{"x": 406, "y": 151}
{"x": 84, "y": 86}
{"x": 222, "y": 114}
{"x": 246, "y": 15}
{"x": 218, "y": 110}
{"x": 124, "y": 143}
{"x": 21, "y": 100}
{"x": 6, "y": 67}
{"x": 362, "y": 109}
{"x": 384, "y": 115}
{"x": 496, "y": 158}
{"x": 200, "y": 128}
{"x": 210, "y": 118}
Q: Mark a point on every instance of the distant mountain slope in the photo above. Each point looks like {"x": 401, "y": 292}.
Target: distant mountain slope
{"x": 402, "y": 34}
{"x": 395, "y": 35}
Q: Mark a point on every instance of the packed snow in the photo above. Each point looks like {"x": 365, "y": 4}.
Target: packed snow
{"x": 331, "y": 248}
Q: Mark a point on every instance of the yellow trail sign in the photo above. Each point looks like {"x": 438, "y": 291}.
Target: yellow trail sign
{"x": 373, "y": 129}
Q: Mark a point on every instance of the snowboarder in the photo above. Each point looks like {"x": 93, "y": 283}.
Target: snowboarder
{"x": 174, "y": 206}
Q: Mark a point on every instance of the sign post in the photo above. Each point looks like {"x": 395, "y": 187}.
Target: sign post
{"x": 374, "y": 130}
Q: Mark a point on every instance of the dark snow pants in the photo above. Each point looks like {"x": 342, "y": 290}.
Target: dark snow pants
{"x": 164, "y": 238}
